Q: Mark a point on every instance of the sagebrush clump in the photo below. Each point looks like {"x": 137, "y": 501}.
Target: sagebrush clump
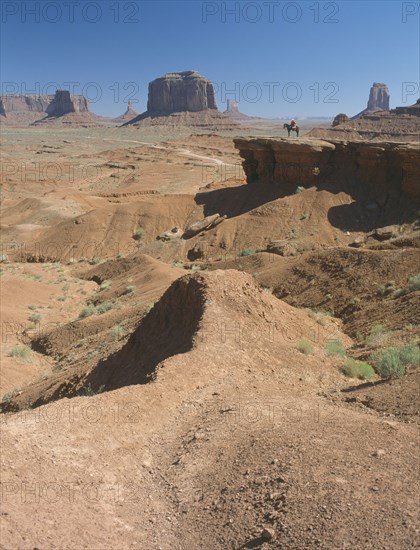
{"x": 392, "y": 362}
{"x": 358, "y": 369}
{"x": 305, "y": 347}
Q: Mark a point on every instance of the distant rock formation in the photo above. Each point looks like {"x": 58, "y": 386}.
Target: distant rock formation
{"x": 179, "y": 92}
{"x": 64, "y": 103}
{"x": 13, "y": 103}
{"x": 232, "y": 111}
{"x": 129, "y": 114}
{"x": 182, "y": 99}
{"x": 378, "y": 98}
{"x": 341, "y": 118}
{"x": 19, "y": 110}
{"x": 231, "y": 106}
{"x": 413, "y": 110}
{"x": 69, "y": 110}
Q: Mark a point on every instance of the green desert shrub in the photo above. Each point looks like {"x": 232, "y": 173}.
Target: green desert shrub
{"x": 105, "y": 285}
{"x": 392, "y": 362}
{"x": 412, "y": 286}
{"x": 387, "y": 289}
{"x": 247, "y": 252}
{"x": 376, "y": 332}
{"x": 34, "y": 317}
{"x": 335, "y": 347}
{"x": 116, "y": 332}
{"x": 305, "y": 347}
{"x": 88, "y": 391}
{"x": 104, "y": 307}
{"x": 299, "y": 189}
{"x": 358, "y": 369}
{"x": 20, "y": 352}
{"x": 129, "y": 289}
{"x": 87, "y": 311}
{"x": 138, "y": 234}
{"x": 414, "y": 283}
{"x": 7, "y": 396}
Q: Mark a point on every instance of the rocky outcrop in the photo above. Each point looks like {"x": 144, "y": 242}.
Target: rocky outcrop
{"x": 29, "y": 109}
{"x": 14, "y": 103}
{"x": 413, "y": 110}
{"x": 183, "y": 100}
{"x": 129, "y": 114}
{"x": 341, "y": 118}
{"x": 203, "y": 225}
{"x": 178, "y": 92}
{"x": 386, "y": 168}
{"x": 380, "y": 126}
{"x": 171, "y": 234}
{"x": 232, "y": 111}
{"x": 378, "y": 98}
{"x": 64, "y": 103}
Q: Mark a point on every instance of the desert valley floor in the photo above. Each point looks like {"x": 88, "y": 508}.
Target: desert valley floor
{"x": 180, "y": 346}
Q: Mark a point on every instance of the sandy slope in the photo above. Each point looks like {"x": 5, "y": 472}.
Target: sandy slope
{"x": 230, "y": 437}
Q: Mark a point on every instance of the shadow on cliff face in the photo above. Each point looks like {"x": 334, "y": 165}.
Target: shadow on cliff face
{"x": 372, "y": 208}
{"x": 234, "y": 201}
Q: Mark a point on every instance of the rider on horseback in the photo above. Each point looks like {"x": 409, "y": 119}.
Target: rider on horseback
{"x": 293, "y": 123}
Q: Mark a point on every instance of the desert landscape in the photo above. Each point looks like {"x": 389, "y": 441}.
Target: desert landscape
{"x": 210, "y": 329}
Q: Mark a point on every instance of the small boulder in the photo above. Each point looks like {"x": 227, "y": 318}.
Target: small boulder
{"x": 283, "y": 248}
{"x": 268, "y": 534}
{"x": 384, "y": 233}
{"x": 203, "y": 225}
{"x": 198, "y": 252}
{"x": 358, "y": 241}
{"x": 379, "y": 453}
{"x": 170, "y": 235}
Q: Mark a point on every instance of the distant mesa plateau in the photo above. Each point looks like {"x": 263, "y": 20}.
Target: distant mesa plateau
{"x": 182, "y": 99}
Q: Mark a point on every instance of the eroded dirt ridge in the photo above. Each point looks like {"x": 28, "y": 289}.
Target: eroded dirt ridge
{"x": 193, "y": 381}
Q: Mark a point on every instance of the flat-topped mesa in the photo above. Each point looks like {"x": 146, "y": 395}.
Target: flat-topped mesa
{"x": 413, "y": 110}
{"x": 64, "y": 103}
{"x": 384, "y": 167}
{"x": 179, "y": 92}
{"x": 13, "y": 103}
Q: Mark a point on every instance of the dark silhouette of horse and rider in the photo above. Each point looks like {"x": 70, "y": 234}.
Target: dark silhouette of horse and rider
{"x": 292, "y": 127}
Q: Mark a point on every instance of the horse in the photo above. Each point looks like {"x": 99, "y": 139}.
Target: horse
{"x": 291, "y": 129}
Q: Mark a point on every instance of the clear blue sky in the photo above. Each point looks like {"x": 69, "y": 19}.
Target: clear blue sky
{"x": 295, "y": 46}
